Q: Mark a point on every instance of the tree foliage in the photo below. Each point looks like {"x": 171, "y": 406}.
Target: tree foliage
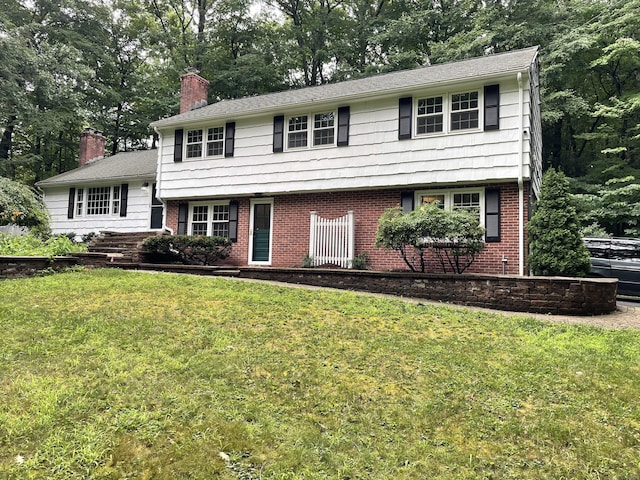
{"x": 555, "y": 242}
{"x": 454, "y": 238}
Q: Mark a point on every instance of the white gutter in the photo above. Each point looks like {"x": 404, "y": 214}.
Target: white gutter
{"x": 158, "y": 182}
{"x": 520, "y": 177}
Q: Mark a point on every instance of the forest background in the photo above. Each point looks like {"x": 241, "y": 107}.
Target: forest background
{"x": 115, "y": 65}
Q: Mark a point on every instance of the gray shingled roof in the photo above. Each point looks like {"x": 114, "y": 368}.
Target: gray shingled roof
{"x": 122, "y": 166}
{"x": 489, "y": 65}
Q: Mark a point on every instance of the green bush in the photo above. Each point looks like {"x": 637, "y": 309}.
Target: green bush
{"x": 33, "y": 246}
{"x": 187, "y": 249}
{"x": 21, "y": 205}
{"x": 555, "y": 242}
{"x": 455, "y": 238}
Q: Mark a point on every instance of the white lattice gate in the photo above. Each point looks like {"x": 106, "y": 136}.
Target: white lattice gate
{"x": 332, "y": 240}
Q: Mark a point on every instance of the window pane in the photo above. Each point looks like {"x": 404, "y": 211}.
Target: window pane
{"x": 297, "y": 124}
{"x": 199, "y": 229}
{"x": 220, "y": 213}
{"x": 464, "y": 120}
{"x": 323, "y": 120}
{"x": 200, "y": 213}
{"x": 297, "y": 140}
{"x": 467, "y": 201}
{"x": 323, "y": 137}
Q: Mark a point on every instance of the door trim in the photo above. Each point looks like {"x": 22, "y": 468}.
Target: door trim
{"x": 260, "y": 201}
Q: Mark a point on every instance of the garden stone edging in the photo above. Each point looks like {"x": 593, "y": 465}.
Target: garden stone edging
{"x": 547, "y": 295}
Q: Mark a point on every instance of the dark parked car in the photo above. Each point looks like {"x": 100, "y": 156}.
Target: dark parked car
{"x": 617, "y": 258}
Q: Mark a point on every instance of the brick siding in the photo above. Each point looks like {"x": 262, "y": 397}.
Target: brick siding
{"x": 291, "y": 220}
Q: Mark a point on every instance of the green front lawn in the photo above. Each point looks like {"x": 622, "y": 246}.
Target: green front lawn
{"x": 111, "y": 374}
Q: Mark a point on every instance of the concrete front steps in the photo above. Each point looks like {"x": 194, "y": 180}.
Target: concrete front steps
{"x": 122, "y": 247}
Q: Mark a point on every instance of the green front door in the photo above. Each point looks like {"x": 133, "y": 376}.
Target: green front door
{"x": 261, "y": 232}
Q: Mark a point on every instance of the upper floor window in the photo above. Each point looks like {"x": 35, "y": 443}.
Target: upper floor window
{"x": 441, "y": 113}
{"x": 316, "y": 130}
{"x": 464, "y": 111}
{"x": 209, "y": 141}
{"x": 430, "y": 115}
{"x": 210, "y": 219}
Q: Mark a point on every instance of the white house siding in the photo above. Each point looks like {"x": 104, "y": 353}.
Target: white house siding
{"x": 138, "y": 211}
{"x": 374, "y": 158}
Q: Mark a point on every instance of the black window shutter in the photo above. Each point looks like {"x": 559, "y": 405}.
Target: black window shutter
{"x": 344, "y": 115}
{"x": 233, "y": 220}
{"x": 177, "y": 146}
{"x": 72, "y": 201}
{"x": 405, "y": 112}
{"x": 492, "y": 107}
{"x": 492, "y": 214}
{"x": 124, "y": 199}
{"x": 183, "y": 218}
{"x": 229, "y": 135}
{"x": 406, "y": 201}
{"x": 278, "y": 133}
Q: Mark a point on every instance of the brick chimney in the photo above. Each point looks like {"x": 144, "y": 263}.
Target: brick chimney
{"x": 193, "y": 91}
{"x": 91, "y": 146}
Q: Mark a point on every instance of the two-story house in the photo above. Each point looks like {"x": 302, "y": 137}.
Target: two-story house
{"x": 265, "y": 170}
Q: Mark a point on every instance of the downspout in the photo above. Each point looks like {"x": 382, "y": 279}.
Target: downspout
{"x": 520, "y": 177}
{"x": 158, "y": 182}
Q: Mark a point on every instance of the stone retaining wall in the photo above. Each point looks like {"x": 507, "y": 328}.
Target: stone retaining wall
{"x": 553, "y": 295}
{"x": 12, "y": 267}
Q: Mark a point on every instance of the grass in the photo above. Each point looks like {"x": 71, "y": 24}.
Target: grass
{"x": 108, "y": 374}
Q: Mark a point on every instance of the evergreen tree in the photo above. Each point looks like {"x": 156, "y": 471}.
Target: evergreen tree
{"x": 555, "y": 243}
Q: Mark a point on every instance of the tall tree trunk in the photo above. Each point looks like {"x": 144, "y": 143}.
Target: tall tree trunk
{"x": 6, "y": 141}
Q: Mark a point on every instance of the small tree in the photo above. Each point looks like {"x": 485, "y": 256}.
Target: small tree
{"x": 20, "y": 205}
{"x": 555, "y": 243}
{"x": 455, "y": 237}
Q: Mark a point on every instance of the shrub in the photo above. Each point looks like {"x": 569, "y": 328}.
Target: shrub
{"x": 359, "y": 262}
{"x": 21, "y": 205}
{"x": 33, "y": 246}
{"x": 190, "y": 250}
{"x": 455, "y": 238}
{"x": 555, "y": 242}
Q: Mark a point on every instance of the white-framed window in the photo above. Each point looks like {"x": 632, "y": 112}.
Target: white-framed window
{"x": 470, "y": 199}
{"x": 439, "y": 114}
{"x": 465, "y": 113}
{"x": 317, "y": 130}
{"x": 208, "y": 142}
{"x": 194, "y": 143}
{"x": 209, "y": 219}
{"x": 115, "y": 202}
{"x": 80, "y": 201}
{"x": 430, "y": 115}
{"x": 98, "y": 201}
